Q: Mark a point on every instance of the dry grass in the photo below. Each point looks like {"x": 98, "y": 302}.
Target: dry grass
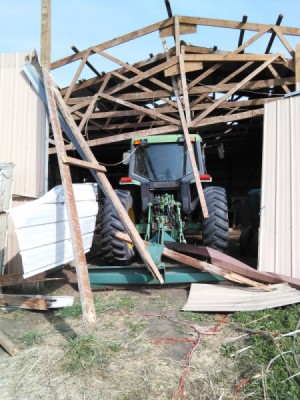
{"x": 117, "y": 361}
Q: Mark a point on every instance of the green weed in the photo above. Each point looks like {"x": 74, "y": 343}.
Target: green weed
{"x": 83, "y": 353}
{"x": 33, "y": 337}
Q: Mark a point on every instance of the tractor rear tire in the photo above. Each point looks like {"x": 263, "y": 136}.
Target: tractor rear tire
{"x": 215, "y": 227}
{"x": 115, "y": 251}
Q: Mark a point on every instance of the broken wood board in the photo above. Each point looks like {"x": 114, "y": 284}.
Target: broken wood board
{"x": 7, "y": 344}
{"x": 34, "y": 302}
{"x": 221, "y": 298}
{"x": 233, "y": 265}
{"x": 202, "y": 265}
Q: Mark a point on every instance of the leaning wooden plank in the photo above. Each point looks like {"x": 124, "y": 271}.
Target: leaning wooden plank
{"x": 86, "y": 296}
{"x": 25, "y": 302}
{"x": 7, "y": 344}
{"x": 248, "y": 26}
{"x": 108, "y": 190}
{"x": 188, "y": 141}
{"x": 114, "y": 42}
{"x": 234, "y": 89}
{"x": 202, "y": 265}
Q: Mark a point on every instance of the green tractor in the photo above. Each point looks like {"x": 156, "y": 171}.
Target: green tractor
{"x": 162, "y": 199}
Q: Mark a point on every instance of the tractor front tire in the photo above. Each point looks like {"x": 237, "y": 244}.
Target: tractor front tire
{"x": 115, "y": 251}
{"x": 215, "y": 227}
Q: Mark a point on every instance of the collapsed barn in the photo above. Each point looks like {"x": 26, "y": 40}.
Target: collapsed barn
{"x": 186, "y": 89}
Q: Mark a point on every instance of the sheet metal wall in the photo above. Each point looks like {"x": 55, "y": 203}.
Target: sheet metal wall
{"x": 279, "y": 244}
{"x": 23, "y": 127}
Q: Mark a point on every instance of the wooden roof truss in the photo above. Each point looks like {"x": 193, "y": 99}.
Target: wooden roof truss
{"x": 204, "y": 87}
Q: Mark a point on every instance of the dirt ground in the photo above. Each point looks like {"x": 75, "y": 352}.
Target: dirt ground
{"x": 143, "y": 347}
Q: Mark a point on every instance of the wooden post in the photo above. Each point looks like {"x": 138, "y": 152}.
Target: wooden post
{"x": 46, "y": 34}
{"x": 86, "y": 296}
{"x": 297, "y": 67}
{"x": 188, "y": 140}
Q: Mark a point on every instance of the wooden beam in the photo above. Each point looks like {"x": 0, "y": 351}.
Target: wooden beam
{"x": 273, "y": 36}
{"x": 114, "y": 42}
{"x": 234, "y": 89}
{"x": 108, "y": 190}
{"x": 185, "y": 90}
{"x": 143, "y": 75}
{"x": 46, "y": 34}
{"x": 276, "y": 75}
{"x": 7, "y": 344}
{"x": 229, "y": 57}
{"x": 76, "y": 76}
{"x": 248, "y": 26}
{"x": 86, "y": 297}
{"x": 124, "y": 136}
{"x": 183, "y": 28}
{"x": 189, "y": 67}
{"x": 152, "y": 113}
{"x": 217, "y": 66}
{"x": 83, "y": 164}
{"x": 166, "y": 129}
{"x": 225, "y": 80}
{"x": 242, "y": 32}
{"x": 88, "y": 64}
{"x": 203, "y": 265}
{"x": 93, "y": 102}
{"x": 188, "y": 141}
{"x": 169, "y": 9}
{"x": 132, "y": 68}
{"x": 230, "y": 118}
{"x": 278, "y": 31}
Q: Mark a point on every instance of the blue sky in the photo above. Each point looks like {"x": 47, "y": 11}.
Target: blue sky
{"x": 89, "y": 22}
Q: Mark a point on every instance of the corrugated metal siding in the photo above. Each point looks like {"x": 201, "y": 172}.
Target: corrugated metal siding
{"x": 218, "y": 298}
{"x": 23, "y": 127}
{"x": 43, "y": 230}
{"x": 279, "y": 245}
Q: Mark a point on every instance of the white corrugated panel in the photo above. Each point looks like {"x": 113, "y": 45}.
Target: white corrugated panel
{"x": 218, "y": 298}
{"x": 43, "y": 231}
{"x": 279, "y": 246}
{"x": 23, "y": 127}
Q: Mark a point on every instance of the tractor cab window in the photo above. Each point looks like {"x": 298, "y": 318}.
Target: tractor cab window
{"x": 162, "y": 161}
